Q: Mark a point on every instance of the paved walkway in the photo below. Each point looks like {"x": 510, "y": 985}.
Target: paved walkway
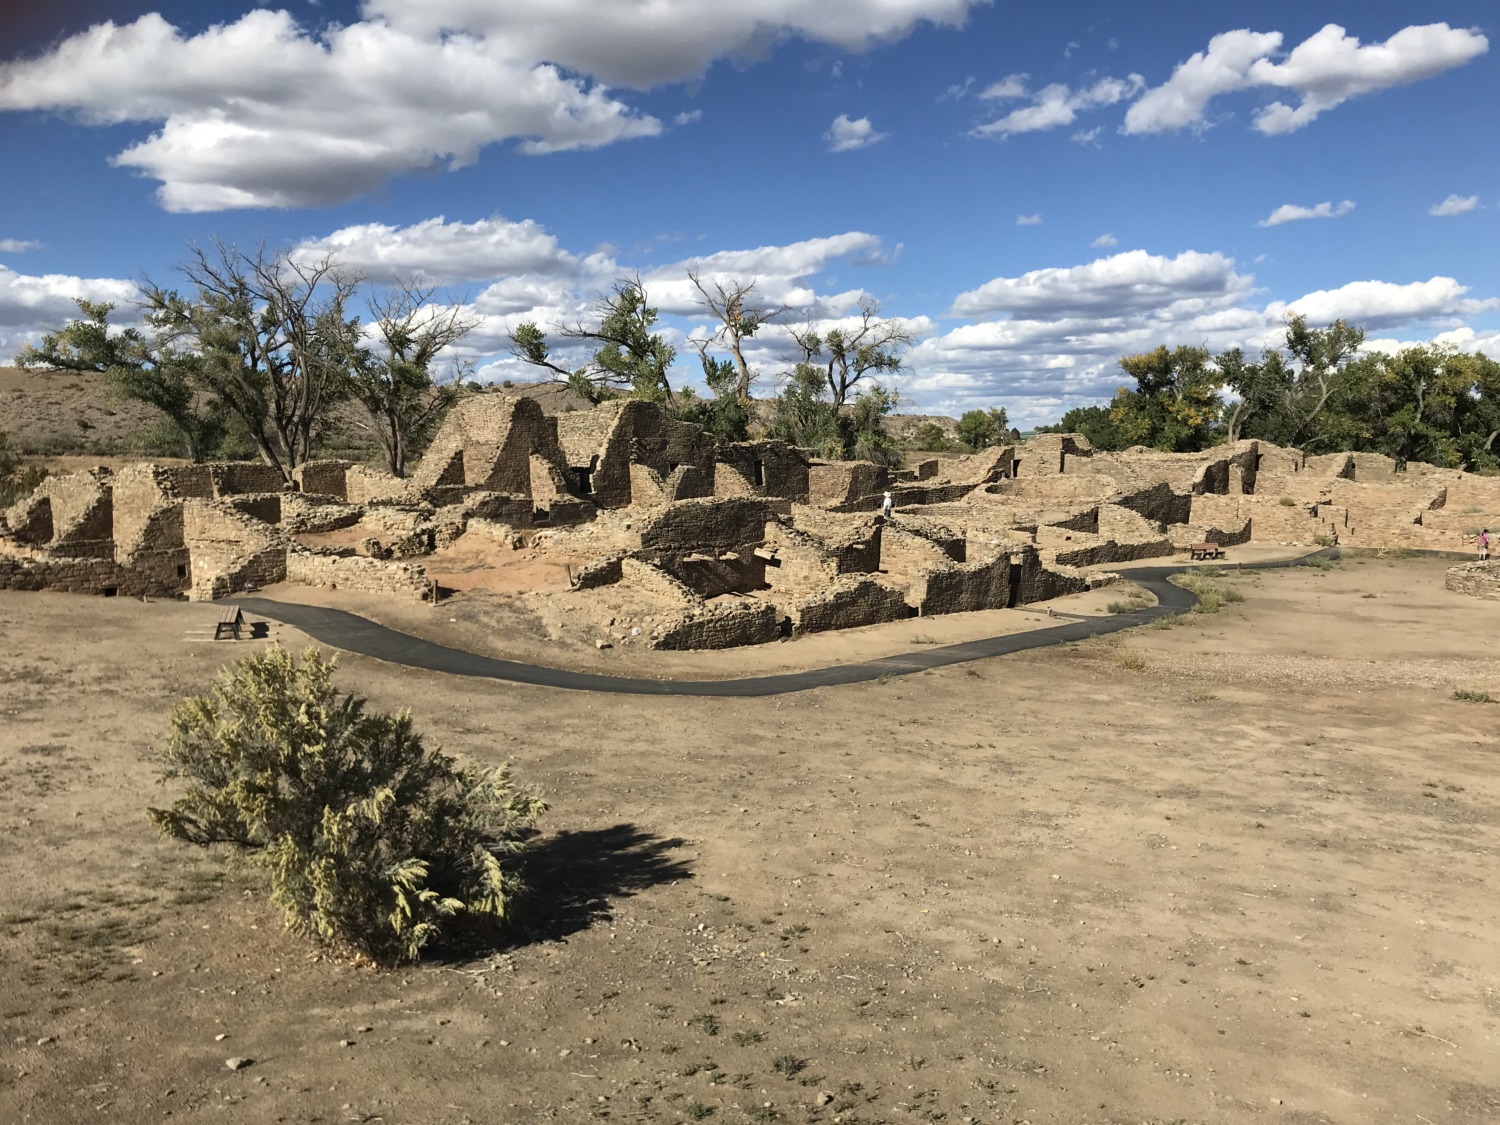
{"x": 352, "y": 633}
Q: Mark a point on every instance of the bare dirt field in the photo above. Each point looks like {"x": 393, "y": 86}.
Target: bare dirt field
{"x": 1240, "y": 869}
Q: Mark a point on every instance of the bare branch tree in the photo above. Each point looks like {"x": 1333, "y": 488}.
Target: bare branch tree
{"x": 394, "y": 381}
{"x": 739, "y": 319}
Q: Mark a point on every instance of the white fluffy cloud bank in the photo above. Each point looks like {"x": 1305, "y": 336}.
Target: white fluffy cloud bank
{"x": 265, "y": 112}
{"x": 31, "y": 304}
{"x": 845, "y": 135}
{"x": 1045, "y": 341}
{"x": 1322, "y": 72}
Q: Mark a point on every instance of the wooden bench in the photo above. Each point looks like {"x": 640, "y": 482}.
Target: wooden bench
{"x": 231, "y": 620}
{"x": 1200, "y": 551}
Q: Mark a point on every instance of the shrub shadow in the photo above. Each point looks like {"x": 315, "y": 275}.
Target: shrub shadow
{"x": 572, "y": 881}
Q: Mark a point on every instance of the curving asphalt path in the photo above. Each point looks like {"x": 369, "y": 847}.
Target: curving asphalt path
{"x": 352, "y": 633}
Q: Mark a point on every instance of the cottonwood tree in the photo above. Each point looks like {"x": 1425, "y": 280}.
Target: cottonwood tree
{"x": 393, "y": 378}
{"x": 871, "y": 348}
{"x": 272, "y": 340}
{"x": 628, "y": 354}
{"x": 981, "y": 429}
{"x": 740, "y": 317}
{"x": 155, "y": 368}
{"x": 1176, "y": 403}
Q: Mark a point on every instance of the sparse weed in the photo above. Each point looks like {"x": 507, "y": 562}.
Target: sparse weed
{"x": 789, "y": 1066}
{"x": 698, "y": 1111}
{"x": 748, "y": 1038}
{"x": 1287, "y": 502}
{"x": 1132, "y": 660}
{"x": 1464, "y": 695}
{"x": 707, "y": 1022}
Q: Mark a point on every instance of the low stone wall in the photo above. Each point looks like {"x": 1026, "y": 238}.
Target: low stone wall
{"x": 82, "y": 576}
{"x": 1477, "y": 579}
{"x": 847, "y": 604}
{"x": 1113, "y": 551}
{"x": 845, "y": 485}
{"x": 598, "y": 572}
{"x": 355, "y": 572}
{"x": 720, "y": 626}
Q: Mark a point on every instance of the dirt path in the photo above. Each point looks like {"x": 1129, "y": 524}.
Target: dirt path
{"x": 1241, "y": 869}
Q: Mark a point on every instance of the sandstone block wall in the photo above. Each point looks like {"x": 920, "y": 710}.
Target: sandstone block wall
{"x": 720, "y": 626}
{"x": 82, "y": 576}
{"x": 357, "y": 573}
{"x": 848, "y": 603}
{"x": 843, "y": 485}
{"x": 1477, "y": 579}
{"x": 986, "y": 584}
{"x": 704, "y": 524}
{"x": 323, "y": 478}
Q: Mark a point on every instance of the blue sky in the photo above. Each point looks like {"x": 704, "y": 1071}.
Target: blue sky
{"x": 1035, "y": 189}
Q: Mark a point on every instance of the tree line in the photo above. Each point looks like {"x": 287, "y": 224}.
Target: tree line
{"x": 1315, "y": 391}
{"x": 255, "y": 350}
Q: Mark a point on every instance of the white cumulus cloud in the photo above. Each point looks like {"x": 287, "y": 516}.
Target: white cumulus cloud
{"x": 1029, "y": 220}
{"x": 1058, "y": 105}
{"x": 438, "y": 252}
{"x": 1323, "y": 71}
{"x": 1105, "y": 241}
{"x": 1291, "y": 213}
{"x": 1119, "y": 285}
{"x": 1455, "y": 205}
{"x": 845, "y": 135}
{"x": 266, "y": 112}
{"x": 31, "y": 304}
{"x": 18, "y": 245}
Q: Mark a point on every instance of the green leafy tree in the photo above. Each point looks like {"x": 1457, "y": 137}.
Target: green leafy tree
{"x": 160, "y": 370}
{"x": 627, "y": 355}
{"x": 393, "y": 379}
{"x": 1095, "y": 423}
{"x": 981, "y": 429}
{"x": 1176, "y": 403}
{"x": 929, "y": 437}
{"x": 872, "y": 348}
{"x": 802, "y": 415}
{"x": 725, "y": 415}
{"x": 373, "y": 842}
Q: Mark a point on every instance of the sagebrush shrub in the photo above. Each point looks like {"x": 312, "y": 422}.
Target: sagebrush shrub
{"x": 372, "y": 840}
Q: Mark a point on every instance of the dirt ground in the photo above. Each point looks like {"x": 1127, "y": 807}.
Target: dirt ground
{"x": 1240, "y": 869}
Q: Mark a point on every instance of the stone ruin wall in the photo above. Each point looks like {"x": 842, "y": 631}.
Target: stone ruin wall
{"x": 354, "y": 572}
{"x": 1476, "y": 579}
{"x": 848, "y": 603}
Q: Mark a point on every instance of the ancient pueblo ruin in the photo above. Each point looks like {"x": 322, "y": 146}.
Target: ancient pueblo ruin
{"x": 640, "y": 530}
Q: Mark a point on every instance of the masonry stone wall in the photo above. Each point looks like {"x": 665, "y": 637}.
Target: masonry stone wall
{"x": 848, "y": 603}
{"x": 953, "y": 588}
{"x": 781, "y": 469}
{"x": 230, "y": 551}
{"x": 705, "y": 524}
{"x": 654, "y": 581}
{"x": 802, "y": 562}
{"x": 82, "y": 508}
{"x": 82, "y": 576}
{"x": 357, "y": 573}
{"x": 728, "y": 625}
{"x": 323, "y": 478}
{"x": 711, "y": 575}
{"x": 1114, "y": 551}
{"x": 846, "y": 485}
{"x": 364, "y": 485}
{"x": 1477, "y": 579}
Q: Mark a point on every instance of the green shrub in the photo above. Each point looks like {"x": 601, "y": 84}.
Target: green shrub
{"x": 1287, "y": 502}
{"x": 1212, "y": 594}
{"x": 372, "y": 840}
{"x": 16, "y": 483}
